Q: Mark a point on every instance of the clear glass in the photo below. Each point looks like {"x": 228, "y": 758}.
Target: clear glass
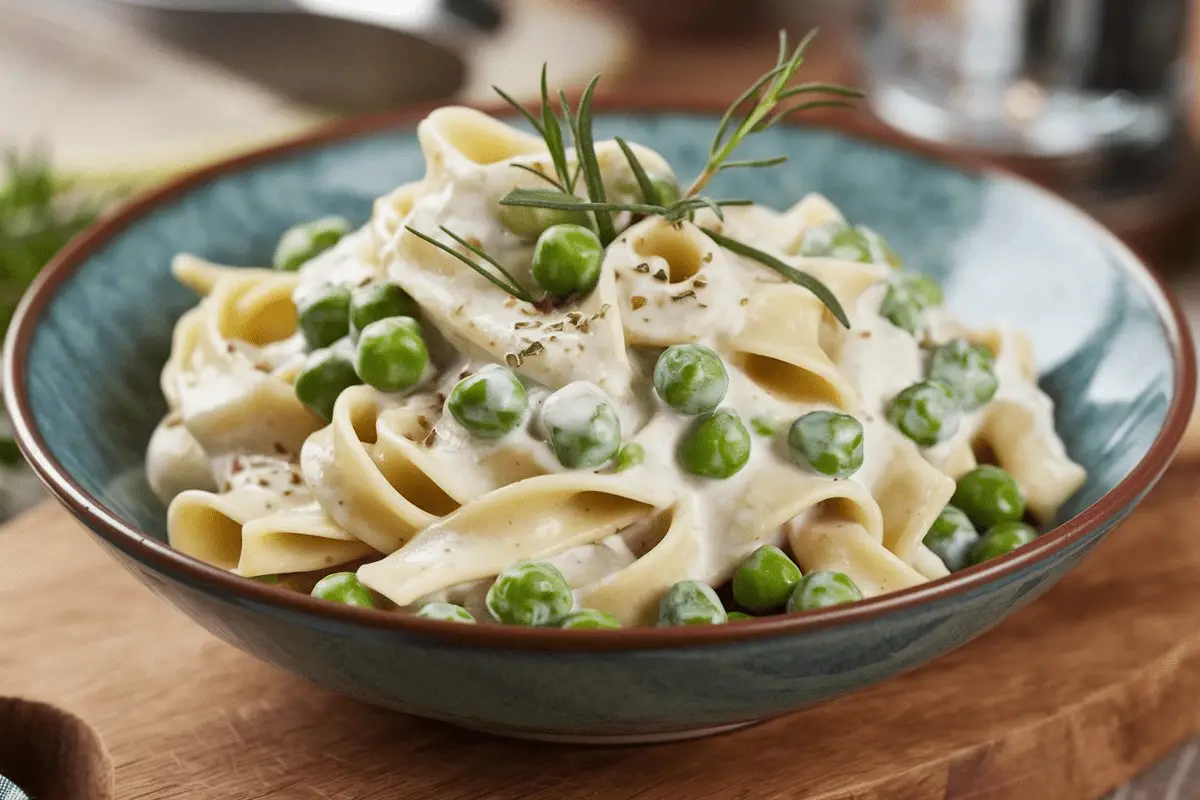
{"x": 1036, "y": 77}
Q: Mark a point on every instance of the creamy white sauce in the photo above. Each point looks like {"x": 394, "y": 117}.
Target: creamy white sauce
{"x": 472, "y": 323}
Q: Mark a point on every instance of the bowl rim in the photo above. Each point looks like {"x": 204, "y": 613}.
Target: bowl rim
{"x": 160, "y": 557}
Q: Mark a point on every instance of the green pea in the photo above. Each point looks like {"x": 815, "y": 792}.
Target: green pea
{"x": 738, "y": 616}
{"x": 951, "y": 537}
{"x": 716, "y": 446}
{"x": 344, "y": 587}
{"x": 590, "y": 619}
{"x": 377, "y": 301}
{"x": 989, "y": 495}
{"x": 690, "y": 378}
{"x": 446, "y": 612}
{"x": 324, "y": 316}
{"x": 968, "y": 369}
{"x": 566, "y": 260}
{"x": 764, "y": 581}
{"x": 925, "y": 412}
{"x": 530, "y": 593}
{"x": 629, "y": 456}
{"x": 302, "y": 243}
{"x": 583, "y": 427}
{"x": 528, "y": 223}
{"x": 391, "y": 354}
{"x": 908, "y": 296}
{"x": 690, "y": 603}
{"x": 489, "y": 403}
{"x": 326, "y": 375}
{"x": 1001, "y": 540}
{"x": 827, "y": 442}
{"x": 666, "y": 191}
{"x": 822, "y": 590}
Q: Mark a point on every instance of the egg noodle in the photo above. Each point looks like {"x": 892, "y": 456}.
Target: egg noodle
{"x": 395, "y": 489}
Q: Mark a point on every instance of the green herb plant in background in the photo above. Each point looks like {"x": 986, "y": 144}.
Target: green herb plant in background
{"x": 39, "y": 213}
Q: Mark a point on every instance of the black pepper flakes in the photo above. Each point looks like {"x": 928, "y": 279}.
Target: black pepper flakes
{"x": 643, "y": 268}
{"x": 661, "y": 275}
{"x": 295, "y": 480}
{"x": 533, "y": 350}
{"x": 708, "y": 257}
{"x": 700, "y": 282}
{"x": 684, "y": 295}
{"x": 513, "y": 360}
{"x": 745, "y": 301}
{"x": 522, "y": 325}
{"x": 556, "y": 327}
{"x": 279, "y": 448}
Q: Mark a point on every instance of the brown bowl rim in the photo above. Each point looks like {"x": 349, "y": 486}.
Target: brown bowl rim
{"x": 160, "y": 557}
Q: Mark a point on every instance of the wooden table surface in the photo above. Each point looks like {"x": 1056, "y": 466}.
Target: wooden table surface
{"x": 1064, "y": 700}
{"x": 79, "y": 84}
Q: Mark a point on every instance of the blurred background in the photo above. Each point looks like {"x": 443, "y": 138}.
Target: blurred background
{"x": 1094, "y": 98}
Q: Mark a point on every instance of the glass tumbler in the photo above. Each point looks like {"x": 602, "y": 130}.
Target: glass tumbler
{"x": 1028, "y": 77}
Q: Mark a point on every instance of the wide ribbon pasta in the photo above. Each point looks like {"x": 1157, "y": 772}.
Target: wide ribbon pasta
{"x": 531, "y": 519}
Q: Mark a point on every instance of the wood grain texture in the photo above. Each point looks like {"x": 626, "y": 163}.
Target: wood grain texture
{"x": 1065, "y": 700}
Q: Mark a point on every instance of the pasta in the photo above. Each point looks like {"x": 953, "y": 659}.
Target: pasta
{"x": 631, "y": 422}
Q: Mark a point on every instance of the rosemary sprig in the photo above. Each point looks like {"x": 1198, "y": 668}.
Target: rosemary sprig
{"x": 541, "y": 175}
{"x": 508, "y": 283}
{"x": 639, "y": 172}
{"x": 561, "y": 201}
{"x": 762, "y": 105}
{"x": 585, "y": 154}
{"x": 765, "y": 97}
{"x": 786, "y": 270}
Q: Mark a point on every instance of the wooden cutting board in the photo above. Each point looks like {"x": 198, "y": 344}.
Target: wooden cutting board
{"x": 1065, "y": 700}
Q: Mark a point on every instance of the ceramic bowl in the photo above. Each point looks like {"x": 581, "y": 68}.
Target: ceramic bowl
{"x": 85, "y": 350}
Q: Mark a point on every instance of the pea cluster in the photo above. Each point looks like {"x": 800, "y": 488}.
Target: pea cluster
{"x": 536, "y": 594}
{"x": 768, "y": 582}
{"x": 383, "y": 345}
{"x": 986, "y": 499}
{"x": 691, "y": 379}
{"x": 567, "y": 253}
{"x": 960, "y": 377}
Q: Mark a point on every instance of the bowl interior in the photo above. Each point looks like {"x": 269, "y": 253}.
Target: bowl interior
{"x": 1003, "y": 250}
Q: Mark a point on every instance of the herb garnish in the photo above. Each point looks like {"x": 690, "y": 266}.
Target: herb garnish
{"x": 757, "y": 109}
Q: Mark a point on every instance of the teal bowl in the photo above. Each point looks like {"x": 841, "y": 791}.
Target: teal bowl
{"x": 81, "y": 383}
